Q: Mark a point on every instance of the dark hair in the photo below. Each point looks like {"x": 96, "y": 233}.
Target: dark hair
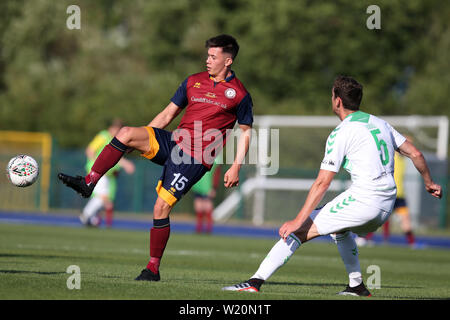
{"x": 224, "y": 41}
{"x": 349, "y": 90}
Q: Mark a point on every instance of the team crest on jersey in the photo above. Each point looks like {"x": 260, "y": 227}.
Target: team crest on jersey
{"x": 230, "y": 93}
{"x": 197, "y": 85}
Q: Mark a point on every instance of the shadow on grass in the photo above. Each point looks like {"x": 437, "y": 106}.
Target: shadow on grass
{"x": 302, "y": 284}
{"x": 339, "y": 285}
{"x": 411, "y": 298}
{"x": 329, "y": 285}
{"x": 31, "y": 272}
{"x": 39, "y": 256}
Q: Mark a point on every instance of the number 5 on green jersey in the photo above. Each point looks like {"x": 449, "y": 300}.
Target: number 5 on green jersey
{"x": 381, "y": 143}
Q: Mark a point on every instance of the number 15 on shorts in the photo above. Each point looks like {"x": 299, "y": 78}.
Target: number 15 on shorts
{"x": 179, "y": 181}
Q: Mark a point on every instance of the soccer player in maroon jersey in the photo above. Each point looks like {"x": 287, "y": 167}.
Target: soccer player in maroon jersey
{"x": 214, "y": 100}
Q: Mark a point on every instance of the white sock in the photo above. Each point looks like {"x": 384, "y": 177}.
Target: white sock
{"x": 93, "y": 206}
{"x": 278, "y": 256}
{"x": 349, "y": 253}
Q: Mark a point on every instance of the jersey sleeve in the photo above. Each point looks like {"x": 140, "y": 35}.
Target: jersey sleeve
{"x": 398, "y": 139}
{"x": 180, "y": 97}
{"x": 335, "y": 151}
{"x": 245, "y": 110}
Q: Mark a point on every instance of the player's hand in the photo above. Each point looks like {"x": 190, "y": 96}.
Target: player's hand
{"x": 434, "y": 189}
{"x": 231, "y": 177}
{"x": 287, "y": 228}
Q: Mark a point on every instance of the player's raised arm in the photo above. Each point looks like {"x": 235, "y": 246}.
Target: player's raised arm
{"x": 231, "y": 177}
{"x": 165, "y": 117}
{"x": 409, "y": 150}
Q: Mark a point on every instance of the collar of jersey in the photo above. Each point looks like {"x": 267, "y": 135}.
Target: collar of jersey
{"x": 351, "y": 114}
{"x": 227, "y": 79}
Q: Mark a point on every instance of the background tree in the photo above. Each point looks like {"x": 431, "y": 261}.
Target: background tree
{"x": 129, "y": 57}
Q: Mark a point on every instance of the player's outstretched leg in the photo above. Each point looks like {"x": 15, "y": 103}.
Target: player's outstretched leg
{"x": 277, "y": 257}
{"x": 108, "y": 158}
{"x": 78, "y": 184}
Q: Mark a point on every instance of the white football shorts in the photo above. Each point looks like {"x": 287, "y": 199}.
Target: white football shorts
{"x": 346, "y": 213}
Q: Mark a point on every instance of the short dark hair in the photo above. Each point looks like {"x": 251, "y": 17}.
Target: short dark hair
{"x": 349, "y": 90}
{"x": 226, "y": 42}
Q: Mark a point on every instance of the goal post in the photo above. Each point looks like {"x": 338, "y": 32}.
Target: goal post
{"x": 37, "y": 145}
{"x": 412, "y": 122}
{"x": 276, "y": 195}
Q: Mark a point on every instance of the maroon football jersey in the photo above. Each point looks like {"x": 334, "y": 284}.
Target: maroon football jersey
{"x": 212, "y": 108}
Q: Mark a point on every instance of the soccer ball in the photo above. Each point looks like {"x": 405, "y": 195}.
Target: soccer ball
{"x": 22, "y": 170}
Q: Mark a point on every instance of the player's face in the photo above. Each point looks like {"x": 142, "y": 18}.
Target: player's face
{"x": 217, "y": 61}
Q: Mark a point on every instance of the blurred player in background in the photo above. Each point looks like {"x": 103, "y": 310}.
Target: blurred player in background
{"x": 104, "y": 193}
{"x": 204, "y": 193}
{"x": 364, "y": 145}
{"x": 400, "y": 205}
{"x": 213, "y": 101}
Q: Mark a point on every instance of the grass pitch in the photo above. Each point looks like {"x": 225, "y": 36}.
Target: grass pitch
{"x": 34, "y": 260}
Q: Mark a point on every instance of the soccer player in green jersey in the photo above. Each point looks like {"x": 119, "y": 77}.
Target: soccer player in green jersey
{"x": 103, "y": 196}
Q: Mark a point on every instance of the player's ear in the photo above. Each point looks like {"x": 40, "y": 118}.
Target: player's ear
{"x": 339, "y": 102}
{"x": 228, "y": 61}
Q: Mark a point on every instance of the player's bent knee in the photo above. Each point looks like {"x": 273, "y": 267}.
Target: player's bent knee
{"x": 161, "y": 210}
{"x": 125, "y": 135}
{"x": 134, "y": 137}
{"x": 128, "y": 135}
{"x": 307, "y": 231}
{"x": 162, "y": 206}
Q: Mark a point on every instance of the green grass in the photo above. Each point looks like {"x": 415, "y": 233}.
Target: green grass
{"x": 34, "y": 259}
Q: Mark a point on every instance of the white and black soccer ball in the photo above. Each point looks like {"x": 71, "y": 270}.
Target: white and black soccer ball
{"x": 22, "y": 170}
